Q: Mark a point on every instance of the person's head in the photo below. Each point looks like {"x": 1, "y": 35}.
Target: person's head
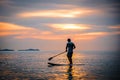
{"x": 69, "y": 40}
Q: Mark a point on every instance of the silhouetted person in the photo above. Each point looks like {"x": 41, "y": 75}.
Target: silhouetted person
{"x": 69, "y": 49}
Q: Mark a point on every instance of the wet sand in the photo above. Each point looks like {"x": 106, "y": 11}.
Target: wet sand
{"x": 34, "y": 66}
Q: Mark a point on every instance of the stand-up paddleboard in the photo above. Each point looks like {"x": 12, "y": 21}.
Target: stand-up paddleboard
{"x": 54, "y": 64}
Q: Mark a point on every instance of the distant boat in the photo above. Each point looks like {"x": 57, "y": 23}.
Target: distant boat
{"x": 29, "y": 50}
{"x": 6, "y": 50}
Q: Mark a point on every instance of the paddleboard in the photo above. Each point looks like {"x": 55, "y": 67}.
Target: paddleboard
{"x": 54, "y": 64}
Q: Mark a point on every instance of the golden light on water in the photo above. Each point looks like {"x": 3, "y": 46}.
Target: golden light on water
{"x": 80, "y": 70}
{"x": 68, "y": 72}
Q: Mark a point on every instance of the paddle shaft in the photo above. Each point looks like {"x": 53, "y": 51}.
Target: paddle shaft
{"x": 59, "y": 54}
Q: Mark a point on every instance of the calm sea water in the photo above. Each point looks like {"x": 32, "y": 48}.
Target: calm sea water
{"x": 28, "y": 65}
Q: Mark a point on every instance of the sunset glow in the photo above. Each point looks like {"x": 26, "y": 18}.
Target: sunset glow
{"x": 69, "y": 26}
{"x": 59, "y": 39}
{"x": 10, "y": 26}
{"x": 23, "y": 32}
{"x": 50, "y": 13}
{"x": 41, "y": 22}
{"x": 65, "y": 13}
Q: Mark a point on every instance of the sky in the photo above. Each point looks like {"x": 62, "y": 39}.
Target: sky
{"x": 46, "y": 24}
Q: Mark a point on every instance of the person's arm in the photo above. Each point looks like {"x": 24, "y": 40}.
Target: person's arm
{"x": 74, "y": 46}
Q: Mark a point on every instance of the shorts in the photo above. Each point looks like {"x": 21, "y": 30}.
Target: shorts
{"x": 69, "y": 54}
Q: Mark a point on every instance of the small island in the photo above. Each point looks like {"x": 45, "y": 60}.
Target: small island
{"x": 6, "y": 50}
{"x": 29, "y": 50}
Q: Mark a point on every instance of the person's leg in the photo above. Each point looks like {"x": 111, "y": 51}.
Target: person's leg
{"x": 70, "y": 58}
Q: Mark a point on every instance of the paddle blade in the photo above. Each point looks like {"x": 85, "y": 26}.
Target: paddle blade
{"x": 50, "y": 58}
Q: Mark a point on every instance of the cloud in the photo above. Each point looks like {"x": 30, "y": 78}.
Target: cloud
{"x": 115, "y": 27}
{"x": 115, "y": 30}
{"x": 5, "y": 2}
{"x": 23, "y": 32}
{"x": 90, "y": 35}
{"x": 115, "y": 33}
{"x": 8, "y": 26}
{"x": 77, "y": 36}
{"x": 44, "y": 37}
{"x": 7, "y": 29}
{"x": 69, "y": 26}
{"x": 59, "y": 13}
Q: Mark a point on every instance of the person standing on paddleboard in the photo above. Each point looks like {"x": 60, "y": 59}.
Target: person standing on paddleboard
{"x": 69, "y": 49}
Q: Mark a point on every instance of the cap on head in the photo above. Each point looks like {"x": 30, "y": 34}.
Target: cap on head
{"x": 68, "y": 39}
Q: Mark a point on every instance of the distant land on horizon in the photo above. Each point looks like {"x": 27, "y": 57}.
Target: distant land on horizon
{"x": 7, "y": 50}
{"x": 20, "y": 50}
{"x": 29, "y": 50}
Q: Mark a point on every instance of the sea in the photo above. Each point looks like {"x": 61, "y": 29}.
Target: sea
{"x": 33, "y": 65}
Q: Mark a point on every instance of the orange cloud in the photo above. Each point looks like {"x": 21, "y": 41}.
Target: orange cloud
{"x": 89, "y": 36}
{"x": 45, "y": 37}
{"x": 7, "y": 33}
{"x": 96, "y": 33}
{"x": 7, "y": 29}
{"x": 8, "y": 26}
{"x": 68, "y": 13}
{"x": 116, "y": 30}
{"x": 115, "y": 27}
{"x": 84, "y": 36}
{"x": 69, "y": 26}
{"x": 22, "y": 32}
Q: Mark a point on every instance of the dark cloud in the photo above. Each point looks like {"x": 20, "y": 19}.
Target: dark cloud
{"x": 112, "y": 5}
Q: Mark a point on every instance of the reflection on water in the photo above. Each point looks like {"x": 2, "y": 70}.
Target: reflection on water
{"x": 70, "y": 72}
{"x": 34, "y": 66}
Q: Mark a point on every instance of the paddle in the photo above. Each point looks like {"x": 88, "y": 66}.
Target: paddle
{"x": 56, "y": 55}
